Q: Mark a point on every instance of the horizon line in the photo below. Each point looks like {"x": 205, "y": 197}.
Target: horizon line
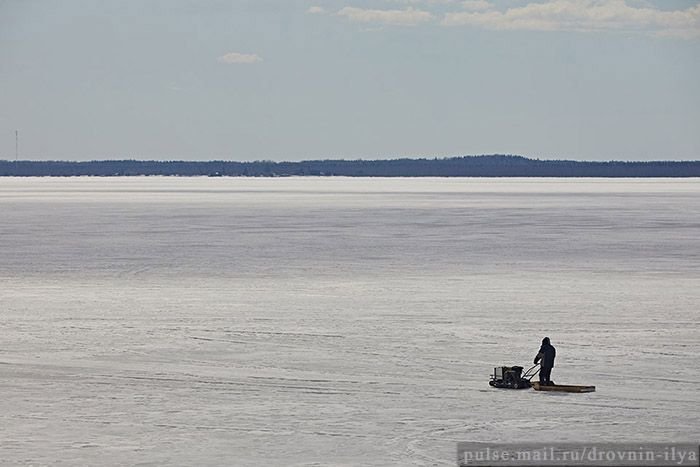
{"x": 393, "y": 158}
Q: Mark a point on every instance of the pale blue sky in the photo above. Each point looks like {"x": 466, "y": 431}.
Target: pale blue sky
{"x": 298, "y": 79}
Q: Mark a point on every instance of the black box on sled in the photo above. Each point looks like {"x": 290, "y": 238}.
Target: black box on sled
{"x": 509, "y": 377}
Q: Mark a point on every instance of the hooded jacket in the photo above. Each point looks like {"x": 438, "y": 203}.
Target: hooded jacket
{"x": 547, "y": 353}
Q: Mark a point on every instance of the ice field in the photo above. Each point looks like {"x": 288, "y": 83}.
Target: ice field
{"x": 335, "y": 321}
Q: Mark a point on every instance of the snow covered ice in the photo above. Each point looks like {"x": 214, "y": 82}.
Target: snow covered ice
{"x": 334, "y": 321}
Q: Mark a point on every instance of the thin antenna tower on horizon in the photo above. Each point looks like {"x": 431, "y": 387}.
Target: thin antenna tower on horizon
{"x": 16, "y": 145}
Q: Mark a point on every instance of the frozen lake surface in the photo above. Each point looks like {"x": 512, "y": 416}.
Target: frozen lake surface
{"x": 332, "y": 321}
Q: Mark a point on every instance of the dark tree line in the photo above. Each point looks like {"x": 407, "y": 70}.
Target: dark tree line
{"x": 468, "y": 166}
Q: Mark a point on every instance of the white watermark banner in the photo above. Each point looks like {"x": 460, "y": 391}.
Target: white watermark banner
{"x": 578, "y": 454}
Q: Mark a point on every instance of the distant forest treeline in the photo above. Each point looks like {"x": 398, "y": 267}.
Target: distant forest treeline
{"x": 468, "y": 166}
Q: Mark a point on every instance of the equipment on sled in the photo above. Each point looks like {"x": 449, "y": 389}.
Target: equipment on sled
{"x": 512, "y": 377}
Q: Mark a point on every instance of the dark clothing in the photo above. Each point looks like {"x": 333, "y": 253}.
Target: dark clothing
{"x": 547, "y": 354}
{"x": 545, "y": 374}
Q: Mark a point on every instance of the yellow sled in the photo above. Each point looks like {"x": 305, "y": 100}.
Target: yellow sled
{"x": 562, "y": 388}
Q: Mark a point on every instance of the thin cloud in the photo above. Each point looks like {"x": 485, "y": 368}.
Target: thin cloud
{"x": 584, "y": 16}
{"x": 316, "y": 10}
{"x": 476, "y": 5}
{"x": 408, "y": 17}
{"x": 235, "y": 57}
{"x": 427, "y": 2}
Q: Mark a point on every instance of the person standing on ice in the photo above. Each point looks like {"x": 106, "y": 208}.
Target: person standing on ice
{"x": 547, "y": 354}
